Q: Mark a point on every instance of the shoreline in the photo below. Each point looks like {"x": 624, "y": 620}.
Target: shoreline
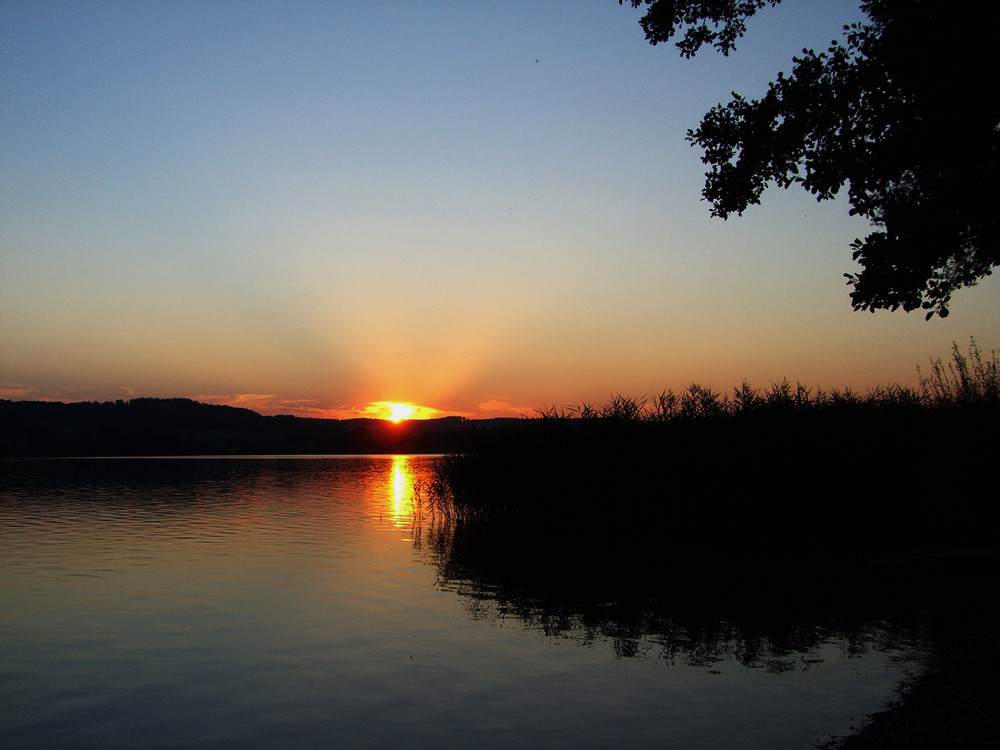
{"x": 953, "y": 704}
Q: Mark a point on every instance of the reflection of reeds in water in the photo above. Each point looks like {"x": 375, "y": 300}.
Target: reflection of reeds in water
{"x": 700, "y": 607}
{"x": 720, "y": 607}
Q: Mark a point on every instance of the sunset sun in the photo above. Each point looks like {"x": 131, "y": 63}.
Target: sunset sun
{"x": 399, "y": 412}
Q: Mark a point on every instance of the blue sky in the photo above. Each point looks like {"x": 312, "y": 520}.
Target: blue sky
{"x": 481, "y": 208}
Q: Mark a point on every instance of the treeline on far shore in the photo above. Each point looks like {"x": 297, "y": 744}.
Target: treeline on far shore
{"x": 783, "y": 467}
{"x": 177, "y": 427}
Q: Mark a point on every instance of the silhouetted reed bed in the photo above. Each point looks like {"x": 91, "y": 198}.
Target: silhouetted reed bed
{"x": 783, "y": 467}
{"x": 752, "y": 526}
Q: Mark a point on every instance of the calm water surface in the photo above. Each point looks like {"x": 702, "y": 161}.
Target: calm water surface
{"x": 297, "y": 602}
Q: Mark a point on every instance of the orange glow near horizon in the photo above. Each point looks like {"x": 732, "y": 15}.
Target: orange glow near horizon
{"x": 399, "y": 411}
{"x": 272, "y": 404}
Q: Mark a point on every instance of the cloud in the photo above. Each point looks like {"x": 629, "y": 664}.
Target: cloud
{"x": 271, "y": 405}
{"x": 384, "y": 409}
{"x": 499, "y": 407}
{"x": 267, "y": 403}
{"x": 21, "y": 393}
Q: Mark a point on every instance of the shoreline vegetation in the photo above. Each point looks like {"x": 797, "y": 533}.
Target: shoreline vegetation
{"x": 183, "y": 427}
{"x": 896, "y": 468}
{"x": 886, "y": 500}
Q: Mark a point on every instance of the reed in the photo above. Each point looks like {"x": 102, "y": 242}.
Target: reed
{"x": 963, "y": 380}
{"x": 781, "y": 465}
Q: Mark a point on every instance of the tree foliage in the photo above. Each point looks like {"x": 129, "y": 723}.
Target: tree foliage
{"x": 903, "y": 112}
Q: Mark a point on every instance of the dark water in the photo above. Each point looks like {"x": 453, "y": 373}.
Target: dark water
{"x": 297, "y": 602}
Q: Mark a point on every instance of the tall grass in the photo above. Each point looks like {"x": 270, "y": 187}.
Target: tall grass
{"x": 776, "y": 465}
{"x": 963, "y": 380}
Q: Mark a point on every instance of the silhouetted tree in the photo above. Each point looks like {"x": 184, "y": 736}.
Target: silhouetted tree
{"x": 904, "y": 112}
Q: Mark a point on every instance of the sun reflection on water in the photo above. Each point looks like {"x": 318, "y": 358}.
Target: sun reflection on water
{"x": 401, "y": 498}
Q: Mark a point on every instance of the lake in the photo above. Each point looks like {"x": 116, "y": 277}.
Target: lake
{"x": 301, "y": 602}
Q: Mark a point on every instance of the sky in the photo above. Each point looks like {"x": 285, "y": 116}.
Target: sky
{"x": 477, "y": 208}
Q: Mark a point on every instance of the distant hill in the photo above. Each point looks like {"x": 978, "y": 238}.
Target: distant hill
{"x": 179, "y": 426}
